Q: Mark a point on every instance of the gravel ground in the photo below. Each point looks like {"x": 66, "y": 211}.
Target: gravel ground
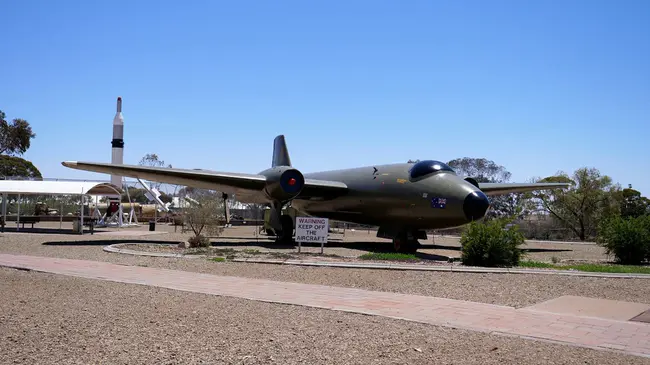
{"x": 507, "y": 289}
{"x": 66, "y": 320}
{"x": 355, "y": 243}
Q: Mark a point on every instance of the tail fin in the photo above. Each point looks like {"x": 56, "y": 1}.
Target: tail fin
{"x": 280, "y": 152}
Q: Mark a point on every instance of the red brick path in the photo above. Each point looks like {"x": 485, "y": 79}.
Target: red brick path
{"x": 629, "y": 337}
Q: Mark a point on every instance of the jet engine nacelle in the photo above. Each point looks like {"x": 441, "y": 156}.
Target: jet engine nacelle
{"x": 283, "y": 183}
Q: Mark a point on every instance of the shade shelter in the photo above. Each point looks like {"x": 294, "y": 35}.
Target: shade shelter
{"x": 37, "y": 187}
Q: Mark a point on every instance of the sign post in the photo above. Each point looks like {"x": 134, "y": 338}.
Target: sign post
{"x": 312, "y": 229}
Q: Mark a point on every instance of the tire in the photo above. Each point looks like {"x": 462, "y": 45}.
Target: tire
{"x": 412, "y": 246}
{"x": 403, "y": 245}
{"x": 396, "y": 244}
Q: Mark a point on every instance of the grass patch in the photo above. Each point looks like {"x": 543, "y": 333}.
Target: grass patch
{"x": 389, "y": 256}
{"x": 626, "y": 269}
{"x": 218, "y": 259}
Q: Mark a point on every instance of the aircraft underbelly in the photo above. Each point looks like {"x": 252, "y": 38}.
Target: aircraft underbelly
{"x": 362, "y": 208}
{"x": 379, "y": 210}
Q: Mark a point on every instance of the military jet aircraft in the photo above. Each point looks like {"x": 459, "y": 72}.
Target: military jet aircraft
{"x": 403, "y": 199}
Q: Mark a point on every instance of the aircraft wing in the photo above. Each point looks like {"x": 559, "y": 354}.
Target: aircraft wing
{"x": 247, "y": 187}
{"x": 507, "y": 188}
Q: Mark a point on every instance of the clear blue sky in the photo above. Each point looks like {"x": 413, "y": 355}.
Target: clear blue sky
{"x": 536, "y": 86}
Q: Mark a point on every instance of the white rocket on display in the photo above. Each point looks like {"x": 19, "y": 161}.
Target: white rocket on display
{"x": 118, "y": 142}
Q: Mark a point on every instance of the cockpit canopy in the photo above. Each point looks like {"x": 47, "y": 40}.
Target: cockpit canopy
{"x": 423, "y": 168}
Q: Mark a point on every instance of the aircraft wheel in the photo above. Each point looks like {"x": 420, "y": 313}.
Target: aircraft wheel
{"x": 397, "y": 244}
{"x": 403, "y": 245}
{"x": 412, "y": 246}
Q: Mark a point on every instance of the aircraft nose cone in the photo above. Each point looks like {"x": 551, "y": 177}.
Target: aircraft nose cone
{"x": 475, "y": 205}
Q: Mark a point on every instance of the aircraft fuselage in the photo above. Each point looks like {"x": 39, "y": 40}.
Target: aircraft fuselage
{"x": 384, "y": 195}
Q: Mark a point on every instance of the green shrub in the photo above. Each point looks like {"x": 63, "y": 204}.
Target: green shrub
{"x": 491, "y": 244}
{"x": 628, "y": 239}
{"x": 199, "y": 241}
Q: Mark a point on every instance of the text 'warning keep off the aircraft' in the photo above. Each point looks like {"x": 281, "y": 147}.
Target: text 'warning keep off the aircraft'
{"x": 310, "y": 229}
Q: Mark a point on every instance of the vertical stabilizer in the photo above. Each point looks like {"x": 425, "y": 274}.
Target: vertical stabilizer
{"x": 280, "y": 152}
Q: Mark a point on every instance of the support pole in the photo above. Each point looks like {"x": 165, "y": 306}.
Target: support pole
{"x": 61, "y": 215}
{"x": 120, "y": 211}
{"x": 226, "y": 208}
{"x": 18, "y": 215}
{"x": 257, "y": 223}
{"x": 4, "y": 211}
{"x": 81, "y": 215}
{"x": 128, "y": 197}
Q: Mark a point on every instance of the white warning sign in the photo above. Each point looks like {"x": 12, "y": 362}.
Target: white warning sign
{"x": 311, "y": 229}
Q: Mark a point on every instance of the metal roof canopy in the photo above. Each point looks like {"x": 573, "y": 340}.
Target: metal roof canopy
{"x": 33, "y": 187}
{"x": 38, "y": 187}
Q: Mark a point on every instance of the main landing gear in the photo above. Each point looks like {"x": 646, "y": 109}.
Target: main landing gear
{"x": 285, "y": 234}
{"x": 405, "y": 239}
{"x": 282, "y": 224}
{"x": 405, "y": 242}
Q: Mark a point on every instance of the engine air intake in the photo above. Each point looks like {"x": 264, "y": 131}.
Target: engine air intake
{"x": 283, "y": 183}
